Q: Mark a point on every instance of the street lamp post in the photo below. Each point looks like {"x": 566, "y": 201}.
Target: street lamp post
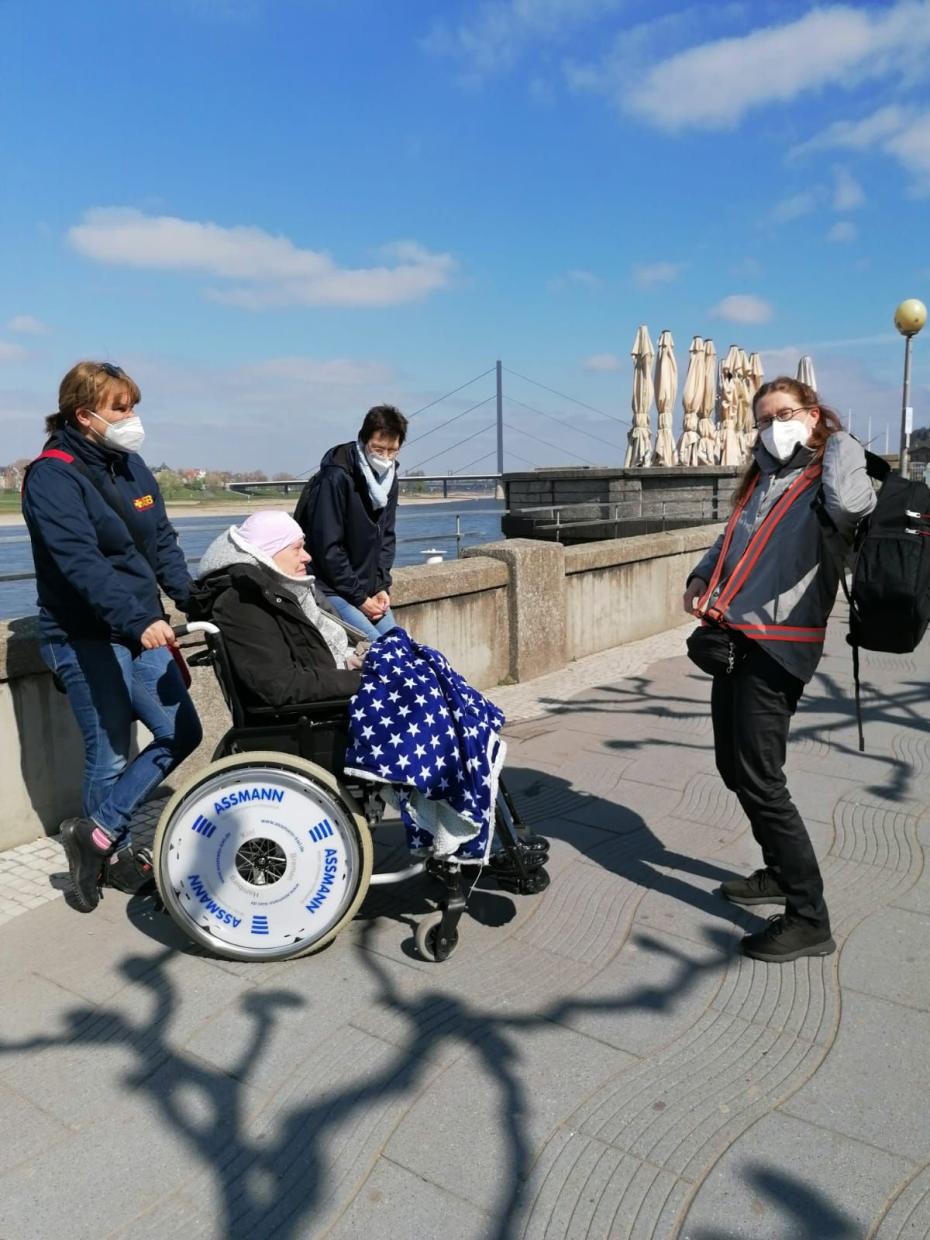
{"x": 909, "y": 318}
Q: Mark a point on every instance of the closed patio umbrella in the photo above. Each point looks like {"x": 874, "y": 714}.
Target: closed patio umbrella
{"x": 729, "y": 450}
{"x": 691, "y": 400}
{"x": 707, "y": 445}
{"x": 666, "y": 384}
{"x": 639, "y": 439}
{"x": 806, "y": 372}
{"x": 756, "y": 373}
{"x": 744, "y": 391}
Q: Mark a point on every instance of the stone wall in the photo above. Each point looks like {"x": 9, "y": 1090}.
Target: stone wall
{"x": 509, "y": 610}
{"x": 677, "y": 495}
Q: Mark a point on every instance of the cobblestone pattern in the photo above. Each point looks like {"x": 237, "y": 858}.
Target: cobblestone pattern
{"x": 596, "y": 1062}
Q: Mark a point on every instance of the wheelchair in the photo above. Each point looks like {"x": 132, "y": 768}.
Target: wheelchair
{"x": 267, "y": 853}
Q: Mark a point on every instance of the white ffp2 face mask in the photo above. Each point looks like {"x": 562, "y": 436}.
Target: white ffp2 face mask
{"x": 125, "y": 436}
{"x": 781, "y": 438}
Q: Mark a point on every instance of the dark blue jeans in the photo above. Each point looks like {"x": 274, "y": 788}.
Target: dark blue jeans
{"x": 108, "y": 688}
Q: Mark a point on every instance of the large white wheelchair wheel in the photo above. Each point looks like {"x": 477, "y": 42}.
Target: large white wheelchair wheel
{"x": 262, "y": 856}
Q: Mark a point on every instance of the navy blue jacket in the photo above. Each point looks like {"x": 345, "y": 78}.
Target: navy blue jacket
{"x": 93, "y": 582}
{"x": 352, "y": 542}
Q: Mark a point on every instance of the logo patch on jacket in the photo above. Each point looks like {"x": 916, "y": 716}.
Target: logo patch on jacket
{"x": 144, "y": 501}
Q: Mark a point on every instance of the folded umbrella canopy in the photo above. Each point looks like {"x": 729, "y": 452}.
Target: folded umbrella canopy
{"x": 691, "y": 400}
{"x": 806, "y": 372}
{"x": 666, "y": 382}
{"x": 729, "y": 451}
{"x": 639, "y": 439}
{"x": 744, "y": 392}
{"x": 707, "y": 445}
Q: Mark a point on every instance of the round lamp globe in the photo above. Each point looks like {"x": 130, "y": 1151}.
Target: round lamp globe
{"x": 910, "y": 316}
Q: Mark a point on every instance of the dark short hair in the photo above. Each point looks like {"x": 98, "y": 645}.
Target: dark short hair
{"x": 384, "y": 418}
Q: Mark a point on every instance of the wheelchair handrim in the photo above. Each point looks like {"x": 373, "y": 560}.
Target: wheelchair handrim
{"x": 260, "y": 857}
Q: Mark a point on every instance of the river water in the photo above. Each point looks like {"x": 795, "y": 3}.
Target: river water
{"x": 420, "y": 527}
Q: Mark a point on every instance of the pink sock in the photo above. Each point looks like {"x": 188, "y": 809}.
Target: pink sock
{"x": 100, "y": 839}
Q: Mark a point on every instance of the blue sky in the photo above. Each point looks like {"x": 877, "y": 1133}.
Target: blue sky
{"x": 276, "y": 213}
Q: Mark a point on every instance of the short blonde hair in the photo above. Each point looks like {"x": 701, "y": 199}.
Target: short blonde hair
{"x": 84, "y": 385}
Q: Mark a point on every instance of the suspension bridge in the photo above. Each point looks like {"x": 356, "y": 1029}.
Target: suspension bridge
{"x": 507, "y": 421}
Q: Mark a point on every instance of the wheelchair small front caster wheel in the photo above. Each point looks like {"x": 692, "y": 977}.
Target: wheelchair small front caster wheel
{"x": 428, "y": 941}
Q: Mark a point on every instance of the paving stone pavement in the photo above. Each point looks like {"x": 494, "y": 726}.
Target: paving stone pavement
{"x": 597, "y": 1061}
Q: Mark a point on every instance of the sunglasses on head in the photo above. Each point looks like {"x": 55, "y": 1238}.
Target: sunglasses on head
{"x": 115, "y": 372}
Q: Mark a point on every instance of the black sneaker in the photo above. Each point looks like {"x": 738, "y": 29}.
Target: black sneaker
{"x": 786, "y": 938}
{"x": 83, "y": 842}
{"x": 759, "y": 888}
{"x": 129, "y": 870}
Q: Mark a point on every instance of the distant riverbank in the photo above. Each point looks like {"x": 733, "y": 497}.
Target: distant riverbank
{"x": 236, "y": 508}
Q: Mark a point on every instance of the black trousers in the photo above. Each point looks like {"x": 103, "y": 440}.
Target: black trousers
{"x": 751, "y": 709}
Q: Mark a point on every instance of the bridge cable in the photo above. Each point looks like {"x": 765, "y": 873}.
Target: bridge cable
{"x": 443, "y": 451}
{"x": 451, "y": 420}
{"x": 424, "y": 408}
{"x": 561, "y": 422}
{"x": 565, "y": 396}
{"x": 557, "y": 447}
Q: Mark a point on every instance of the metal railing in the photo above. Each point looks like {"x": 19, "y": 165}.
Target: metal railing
{"x": 405, "y": 481}
{"x": 617, "y": 512}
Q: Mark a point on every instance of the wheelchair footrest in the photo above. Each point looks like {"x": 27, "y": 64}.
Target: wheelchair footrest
{"x": 519, "y": 868}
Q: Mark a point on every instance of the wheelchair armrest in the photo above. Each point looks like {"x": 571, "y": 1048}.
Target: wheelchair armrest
{"x": 325, "y": 708}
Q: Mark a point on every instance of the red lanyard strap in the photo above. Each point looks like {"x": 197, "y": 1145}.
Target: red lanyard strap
{"x": 757, "y": 543}
{"x": 727, "y": 539}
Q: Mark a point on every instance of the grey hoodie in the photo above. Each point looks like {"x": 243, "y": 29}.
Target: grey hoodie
{"x": 793, "y": 584}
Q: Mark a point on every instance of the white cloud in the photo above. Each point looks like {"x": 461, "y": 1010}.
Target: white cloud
{"x": 794, "y": 207}
{"x": 270, "y": 270}
{"x": 847, "y": 192}
{"x": 901, "y": 133}
{"x": 496, "y": 33}
{"x": 11, "y": 352}
{"x": 714, "y": 85}
{"x": 602, "y": 363}
{"x": 843, "y": 231}
{"x": 579, "y": 278}
{"x": 648, "y": 275}
{"x": 743, "y": 308}
{"x": 27, "y": 325}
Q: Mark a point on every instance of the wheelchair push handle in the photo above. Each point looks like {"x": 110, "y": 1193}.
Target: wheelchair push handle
{"x": 195, "y": 626}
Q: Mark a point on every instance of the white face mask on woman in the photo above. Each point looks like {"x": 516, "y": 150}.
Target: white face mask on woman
{"x": 781, "y": 438}
{"x": 125, "y": 436}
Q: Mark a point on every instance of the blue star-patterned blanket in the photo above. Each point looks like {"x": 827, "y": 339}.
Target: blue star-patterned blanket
{"x": 416, "y": 724}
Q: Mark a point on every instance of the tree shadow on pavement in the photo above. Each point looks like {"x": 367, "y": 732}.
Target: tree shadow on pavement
{"x": 827, "y": 712}
{"x": 801, "y": 1212}
{"x": 272, "y": 1179}
{"x": 629, "y": 848}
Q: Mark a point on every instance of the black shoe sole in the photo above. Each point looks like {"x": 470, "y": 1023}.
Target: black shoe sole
{"x": 748, "y": 901}
{"x": 83, "y": 873}
{"x": 826, "y": 948}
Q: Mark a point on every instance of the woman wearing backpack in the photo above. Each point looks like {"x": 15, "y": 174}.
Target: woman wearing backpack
{"x": 764, "y": 592}
{"x": 103, "y": 547}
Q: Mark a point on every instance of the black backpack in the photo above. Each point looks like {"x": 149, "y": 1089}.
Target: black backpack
{"x": 889, "y": 593}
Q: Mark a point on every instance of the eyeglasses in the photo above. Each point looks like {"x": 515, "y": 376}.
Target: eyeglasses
{"x": 388, "y": 453}
{"x": 783, "y": 415}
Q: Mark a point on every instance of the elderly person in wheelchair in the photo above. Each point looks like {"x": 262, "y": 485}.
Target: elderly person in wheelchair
{"x": 267, "y": 853}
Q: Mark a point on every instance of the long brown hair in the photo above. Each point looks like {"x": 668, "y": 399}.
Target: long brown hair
{"x": 83, "y": 386}
{"x": 827, "y": 424}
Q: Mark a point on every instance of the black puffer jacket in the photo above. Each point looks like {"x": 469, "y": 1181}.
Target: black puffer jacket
{"x": 279, "y": 655}
{"x": 352, "y": 542}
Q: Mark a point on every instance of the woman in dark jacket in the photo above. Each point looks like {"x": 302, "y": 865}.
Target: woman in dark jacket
{"x": 347, "y": 512}
{"x": 103, "y": 549}
{"x": 284, "y": 648}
